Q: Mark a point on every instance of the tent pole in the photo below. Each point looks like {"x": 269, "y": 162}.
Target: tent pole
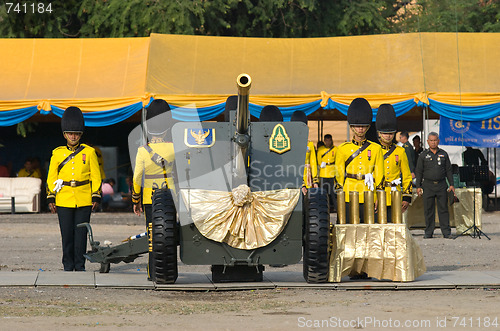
{"x": 144, "y": 139}
{"x": 424, "y": 129}
{"x": 495, "y": 163}
{"x": 318, "y": 135}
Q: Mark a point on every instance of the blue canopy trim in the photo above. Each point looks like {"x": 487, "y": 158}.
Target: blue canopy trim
{"x": 92, "y": 119}
{"x": 12, "y": 117}
{"x": 110, "y": 117}
{"x": 465, "y": 113}
{"x": 208, "y": 113}
{"x": 399, "y": 107}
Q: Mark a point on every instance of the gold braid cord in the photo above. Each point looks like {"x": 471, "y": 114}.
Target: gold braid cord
{"x": 241, "y": 218}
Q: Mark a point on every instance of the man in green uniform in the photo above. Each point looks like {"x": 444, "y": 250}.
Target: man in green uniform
{"x": 397, "y": 175}
{"x": 73, "y": 188}
{"x": 410, "y": 152}
{"x": 153, "y": 166}
{"x": 433, "y": 169}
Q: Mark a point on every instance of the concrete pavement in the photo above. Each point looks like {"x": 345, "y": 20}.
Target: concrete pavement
{"x": 198, "y": 281}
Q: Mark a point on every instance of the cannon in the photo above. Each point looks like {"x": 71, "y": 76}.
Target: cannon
{"x": 237, "y": 204}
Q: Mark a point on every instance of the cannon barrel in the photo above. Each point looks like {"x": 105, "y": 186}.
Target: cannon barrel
{"x": 242, "y": 113}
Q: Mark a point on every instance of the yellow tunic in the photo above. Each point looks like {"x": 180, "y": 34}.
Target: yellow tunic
{"x": 311, "y": 166}
{"x": 368, "y": 161}
{"x": 34, "y": 173}
{"x": 324, "y": 155}
{"x": 158, "y": 164}
{"x": 98, "y": 152}
{"x": 83, "y": 167}
{"x": 396, "y": 166}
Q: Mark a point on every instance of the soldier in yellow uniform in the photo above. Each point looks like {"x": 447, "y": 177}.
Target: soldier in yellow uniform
{"x": 73, "y": 188}
{"x": 359, "y": 162}
{"x": 98, "y": 152}
{"x": 29, "y": 170}
{"x": 397, "y": 174}
{"x": 326, "y": 161}
{"x": 153, "y": 166}
{"x": 310, "y": 178}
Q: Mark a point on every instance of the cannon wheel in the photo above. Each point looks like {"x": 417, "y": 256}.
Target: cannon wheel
{"x": 316, "y": 237}
{"x": 164, "y": 237}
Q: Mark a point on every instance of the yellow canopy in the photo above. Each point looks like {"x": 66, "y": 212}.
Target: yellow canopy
{"x": 107, "y": 74}
{"x": 383, "y": 68}
{"x": 94, "y": 74}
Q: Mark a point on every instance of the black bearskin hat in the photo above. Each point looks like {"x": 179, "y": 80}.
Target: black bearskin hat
{"x": 299, "y": 116}
{"x": 158, "y": 117}
{"x": 72, "y": 120}
{"x": 359, "y": 112}
{"x": 386, "y": 119}
{"x": 270, "y": 114}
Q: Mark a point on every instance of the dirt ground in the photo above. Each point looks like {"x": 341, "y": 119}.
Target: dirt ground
{"x": 32, "y": 242}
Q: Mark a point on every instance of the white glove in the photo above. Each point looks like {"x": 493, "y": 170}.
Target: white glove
{"x": 397, "y": 181}
{"x": 369, "y": 181}
{"x": 323, "y": 165}
{"x": 59, "y": 184}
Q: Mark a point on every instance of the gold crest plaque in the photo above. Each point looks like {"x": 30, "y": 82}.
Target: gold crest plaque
{"x": 279, "y": 141}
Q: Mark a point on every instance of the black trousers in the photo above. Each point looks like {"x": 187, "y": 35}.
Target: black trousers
{"x": 328, "y": 185}
{"x": 74, "y": 239}
{"x": 148, "y": 213}
{"x": 436, "y": 193}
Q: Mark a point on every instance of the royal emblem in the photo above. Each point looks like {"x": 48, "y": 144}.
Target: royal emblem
{"x": 199, "y": 137}
{"x": 279, "y": 141}
{"x": 459, "y": 126}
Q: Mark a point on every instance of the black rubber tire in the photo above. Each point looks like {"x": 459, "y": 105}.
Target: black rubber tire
{"x": 105, "y": 267}
{"x": 165, "y": 234}
{"x": 316, "y": 237}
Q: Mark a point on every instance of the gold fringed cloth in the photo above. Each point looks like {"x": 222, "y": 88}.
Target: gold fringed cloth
{"x": 383, "y": 251}
{"x": 461, "y": 213}
{"x": 241, "y": 218}
{"x": 464, "y": 209}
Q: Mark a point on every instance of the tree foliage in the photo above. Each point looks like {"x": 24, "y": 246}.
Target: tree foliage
{"x": 452, "y": 16}
{"x": 61, "y": 22}
{"x": 250, "y": 18}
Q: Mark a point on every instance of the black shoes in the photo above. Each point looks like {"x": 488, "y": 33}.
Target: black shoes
{"x": 449, "y": 236}
{"x": 362, "y": 275}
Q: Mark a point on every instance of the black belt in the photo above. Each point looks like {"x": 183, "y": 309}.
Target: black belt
{"x": 389, "y": 184}
{"x": 76, "y": 183}
{"x": 330, "y": 163}
{"x": 434, "y": 181}
{"x": 356, "y": 176}
{"x": 158, "y": 176}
